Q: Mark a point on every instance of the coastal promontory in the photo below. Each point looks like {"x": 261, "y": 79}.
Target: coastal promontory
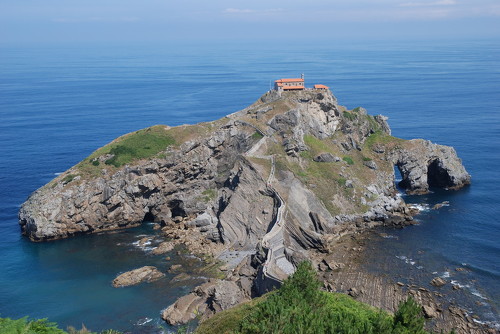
{"x": 261, "y": 189}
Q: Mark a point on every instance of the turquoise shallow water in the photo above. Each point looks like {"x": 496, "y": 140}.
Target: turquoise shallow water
{"x": 59, "y": 104}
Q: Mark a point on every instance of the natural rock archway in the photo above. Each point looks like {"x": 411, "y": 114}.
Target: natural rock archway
{"x": 423, "y": 165}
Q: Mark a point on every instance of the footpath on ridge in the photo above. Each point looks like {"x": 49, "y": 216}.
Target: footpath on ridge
{"x": 277, "y": 267}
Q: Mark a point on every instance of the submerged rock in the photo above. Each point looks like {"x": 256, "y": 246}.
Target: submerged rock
{"x": 136, "y": 276}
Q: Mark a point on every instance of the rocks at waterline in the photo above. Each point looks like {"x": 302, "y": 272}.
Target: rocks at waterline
{"x": 438, "y": 282}
{"x": 207, "y": 299}
{"x": 163, "y": 248}
{"x": 144, "y": 274}
{"x": 430, "y": 311}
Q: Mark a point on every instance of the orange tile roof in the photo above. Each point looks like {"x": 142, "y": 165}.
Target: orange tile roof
{"x": 320, "y": 87}
{"x": 289, "y": 80}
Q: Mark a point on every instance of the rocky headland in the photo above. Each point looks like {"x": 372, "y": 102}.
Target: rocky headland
{"x": 284, "y": 180}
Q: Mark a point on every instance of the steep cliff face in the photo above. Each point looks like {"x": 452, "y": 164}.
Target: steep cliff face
{"x": 332, "y": 168}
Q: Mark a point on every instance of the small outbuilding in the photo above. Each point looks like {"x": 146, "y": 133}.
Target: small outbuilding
{"x": 321, "y": 87}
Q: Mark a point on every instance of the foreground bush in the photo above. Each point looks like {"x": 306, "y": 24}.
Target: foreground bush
{"x": 40, "y": 326}
{"x": 25, "y": 326}
{"x": 300, "y": 307}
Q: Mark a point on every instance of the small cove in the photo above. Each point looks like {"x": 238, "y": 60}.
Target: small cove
{"x": 74, "y": 274}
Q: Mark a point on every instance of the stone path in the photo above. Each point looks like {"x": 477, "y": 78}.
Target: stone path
{"x": 277, "y": 267}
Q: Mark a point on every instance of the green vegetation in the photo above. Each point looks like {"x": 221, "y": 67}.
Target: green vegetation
{"x": 367, "y": 159}
{"x": 41, "y": 326}
{"x": 142, "y": 144}
{"x": 382, "y": 138}
{"x": 408, "y": 318}
{"x": 329, "y": 184}
{"x": 349, "y": 115}
{"x": 299, "y": 306}
{"x": 208, "y": 195}
{"x": 68, "y": 178}
{"x": 342, "y": 181}
{"x": 138, "y": 145}
{"x": 25, "y": 326}
{"x": 348, "y": 160}
{"x": 257, "y": 135}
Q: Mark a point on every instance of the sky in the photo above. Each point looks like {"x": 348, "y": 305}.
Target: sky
{"x": 53, "y": 21}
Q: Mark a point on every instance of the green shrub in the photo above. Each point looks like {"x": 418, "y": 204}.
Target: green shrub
{"x": 299, "y": 306}
{"x": 95, "y": 162}
{"x": 349, "y": 115}
{"x": 68, "y": 178}
{"x": 348, "y": 160}
{"x": 367, "y": 159}
{"x": 342, "y": 181}
{"x": 26, "y": 326}
{"x": 408, "y": 319}
{"x": 41, "y": 326}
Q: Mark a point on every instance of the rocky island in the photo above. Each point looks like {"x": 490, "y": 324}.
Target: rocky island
{"x": 283, "y": 180}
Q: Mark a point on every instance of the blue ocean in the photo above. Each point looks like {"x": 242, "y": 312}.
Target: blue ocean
{"x": 60, "y": 103}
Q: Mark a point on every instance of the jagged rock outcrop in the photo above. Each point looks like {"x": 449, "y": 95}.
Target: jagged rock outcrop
{"x": 205, "y": 300}
{"x": 288, "y": 175}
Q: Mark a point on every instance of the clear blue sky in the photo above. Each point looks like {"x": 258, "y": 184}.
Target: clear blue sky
{"x": 31, "y": 21}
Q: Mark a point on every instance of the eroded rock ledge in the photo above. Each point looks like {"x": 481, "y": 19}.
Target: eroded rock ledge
{"x": 296, "y": 170}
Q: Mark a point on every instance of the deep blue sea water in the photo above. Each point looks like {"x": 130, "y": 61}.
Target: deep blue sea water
{"x": 58, "y": 104}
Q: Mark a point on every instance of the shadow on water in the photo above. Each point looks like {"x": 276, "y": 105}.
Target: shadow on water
{"x": 74, "y": 280}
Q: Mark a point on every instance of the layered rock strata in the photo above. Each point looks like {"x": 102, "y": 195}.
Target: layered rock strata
{"x": 296, "y": 170}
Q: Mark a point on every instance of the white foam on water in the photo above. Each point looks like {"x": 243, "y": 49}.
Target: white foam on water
{"x": 406, "y": 259}
{"x": 140, "y": 245}
{"x": 420, "y": 267}
{"x": 493, "y": 324}
{"x": 420, "y": 207}
{"x": 389, "y": 236}
{"x": 57, "y": 174}
{"x": 477, "y": 293}
{"x": 145, "y": 246}
{"x": 143, "y": 321}
{"x": 461, "y": 286}
{"x": 446, "y": 274}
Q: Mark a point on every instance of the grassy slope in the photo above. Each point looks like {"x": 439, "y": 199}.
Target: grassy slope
{"x": 143, "y": 144}
{"x": 328, "y": 179}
